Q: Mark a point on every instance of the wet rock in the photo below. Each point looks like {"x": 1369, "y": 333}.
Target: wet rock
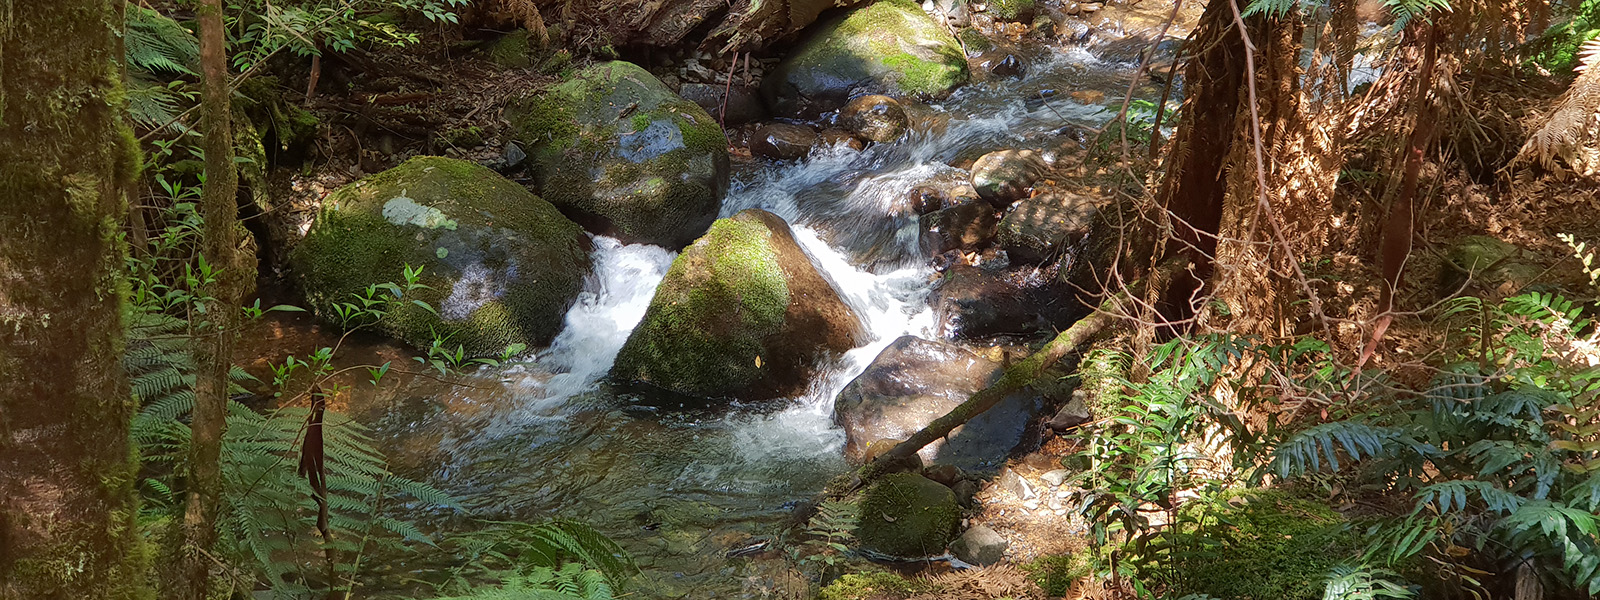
{"x": 1489, "y": 264}
{"x": 974, "y": 303}
{"x": 1012, "y": 10}
{"x": 980, "y": 546}
{"x": 1044, "y": 27}
{"x": 956, "y": 12}
{"x": 907, "y": 516}
{"x": 875, "y": 118}
{"x": 974, "y": 41}
{"x": 913, "y": 382}
{"x": 1042, "y": 227}
{"x": 621, "y": 154}
{"x": 925, "y": 199}
{"x": 743, "y": 102}
{"x": 501, "y": 265}
{"x": 1002, "y": 64}
{"x": 742, "y": 313}
{"x": 1006, "y": 176}
{"x": 964, "y": 227}
{"x": 783, "y": 141}
{"x": 1072, "y": 414}
{"x": 889, "y": 47}
{"x": 833, "y": 138}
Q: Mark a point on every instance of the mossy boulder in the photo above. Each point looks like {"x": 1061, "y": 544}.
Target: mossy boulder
{"x": 621, "y": 154}
{"x": 1489, "y": 263}
{"x": 906, "y": 515}
{"x": 742, "y": 313}
{"x": 502, "y": 266}
{"x": 889, "y": 47}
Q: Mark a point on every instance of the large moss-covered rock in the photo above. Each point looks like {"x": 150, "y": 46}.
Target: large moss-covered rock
{"x": 906, "y": 515}
{"x": 742, "y": 313}
{"x": 889, "y": 47}
{"x": 620, "y": 153}
{"x": 501, "y": 264}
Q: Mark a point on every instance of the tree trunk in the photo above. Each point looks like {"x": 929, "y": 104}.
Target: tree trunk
{"x": 67, "y": 472}
{"x": 214, "y": 334}
{"x": 1245, "y": 213}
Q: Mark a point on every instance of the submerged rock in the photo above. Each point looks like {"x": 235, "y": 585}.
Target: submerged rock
{"x": 742, "y": 313}
{"x": 623, "y": 155}
{"x": 502, "y": 265}
{"x": 914, "y": 381}
{"x": 1006, "y": 176}
{"x": 875, "y": 118}
{"x": 1044, "y": 226}
{"x": 783, "y": 141}
{"x": 905, "y": 515}
{"x": 889, "y": 47}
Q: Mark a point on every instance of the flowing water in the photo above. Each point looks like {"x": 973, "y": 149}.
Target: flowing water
{"x": 680, "y": 488}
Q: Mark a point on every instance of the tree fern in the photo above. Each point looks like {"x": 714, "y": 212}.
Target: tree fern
{"x": 158, "y": 45}
{"x": 569, "y": 582}
{"x": 1567, "y": 137}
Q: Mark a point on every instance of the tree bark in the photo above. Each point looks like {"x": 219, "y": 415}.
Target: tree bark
{"x": 214, "y": 332}
{"x": 67, "y": 472}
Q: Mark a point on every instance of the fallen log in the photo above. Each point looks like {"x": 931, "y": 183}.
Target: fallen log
{"x": 1021, "y": 373}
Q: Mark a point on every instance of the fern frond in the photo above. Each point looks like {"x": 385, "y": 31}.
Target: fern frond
{"x": 1572, "y": 125}
{"x": 1307, "y": 450}
{"x": 156, "y": 44}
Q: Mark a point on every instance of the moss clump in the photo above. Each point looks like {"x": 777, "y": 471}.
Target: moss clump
{"x": 1264, "y": 545}
{"x": 511, "y": 50}
{"x": 463, "y": 137}
{"x": 704, "y": 329}
{"x": 872, "y": 586}
{"x": 501, "y": 265}
{"x": 656, "y": 165}
{"x": 907, "y": 515}
{"x": 1056, "y": 573}
{"x": 1011, "y": 10}
{"x": 892, "y": 45}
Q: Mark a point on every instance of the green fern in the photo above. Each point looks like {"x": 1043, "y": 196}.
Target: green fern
{"x": 156, "y": 44}
{"x": 1363, "y": 583}
{"x": 570, "y": 582}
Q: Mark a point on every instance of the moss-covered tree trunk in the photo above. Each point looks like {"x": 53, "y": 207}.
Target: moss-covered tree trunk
{"x": 215, "y": 332}
{"x": 67, "y": 504}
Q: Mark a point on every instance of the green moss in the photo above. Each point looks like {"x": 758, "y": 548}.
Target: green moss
{"x": 892, "y": 41}
{"x": 640, "y": 122}
{"x": 908, "y": 515}
{"x": 1264, "y": 545}
{"x": 511, "y": 50}
{"x": 510, "y": 266}
{"x": 1056, "y": 573}
{"x": 463, "y": 137}
{"x": 872, "y": 586}
{"x": 1010, "y": 10}
{"x": 618, "y": 121}
{"x": 703, "y": 331}
{"x": 918, "y": 75}
{"x": 974, "y": 41}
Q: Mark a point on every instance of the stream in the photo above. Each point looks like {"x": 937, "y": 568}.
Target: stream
{"x": 679, "y": 489}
